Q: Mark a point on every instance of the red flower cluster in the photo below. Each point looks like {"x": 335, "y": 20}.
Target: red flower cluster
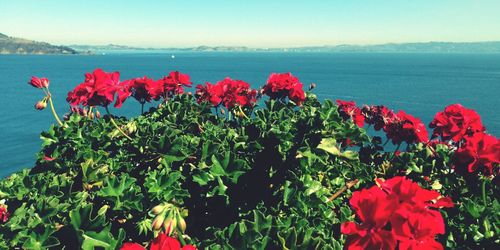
{"x": 98, "y": 89}
{"x": 228, "y": 92}
{"x": 4, "y": 213}
{"x": 455, "y": 122}
{"x": 170, "y": 85}
{"x": 162, "y": 242}
{"x": 39, "y": 83}
{"x": 476, "y": 150}
{"x": 406, "y": 128}
{"x": 280, "y": 86}
{"x": 396, "y": 211}
{"x": 349, "y": 110}
{"x": 378, "y": 116}
{"x": 479, "y": 153}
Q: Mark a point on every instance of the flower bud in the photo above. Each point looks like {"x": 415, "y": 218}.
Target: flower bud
{"x": 45, "y": 82}
{"x": 312, "y": 86}
{"x": 41, "y": 105}
{"x": 158, "y": 209}
{"x": 39, "y": 82}
{"x": 181, "y": 224}
{"x": 97, "y": 114}
{"x": 158, "y": 222}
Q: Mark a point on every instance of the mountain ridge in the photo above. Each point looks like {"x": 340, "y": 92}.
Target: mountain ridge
{"x": 14, "y": 45}
{"x": 415, "y": 47}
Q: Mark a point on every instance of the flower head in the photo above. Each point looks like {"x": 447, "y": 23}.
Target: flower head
{"x": 481, "y": 152}
{"x": 406, "y": 128}
{"x": 280, "y": 86}
{"x": 98, "y": 89}
{"x": 228, "y": 92}
{"x": 378, "y": 115}
{"x": 396, "y": 212}
{"x": 455, "y": 122}
{"x": 349, "y": 110}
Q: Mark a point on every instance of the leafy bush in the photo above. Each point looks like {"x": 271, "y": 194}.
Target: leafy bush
{"x": 277, "y": 176}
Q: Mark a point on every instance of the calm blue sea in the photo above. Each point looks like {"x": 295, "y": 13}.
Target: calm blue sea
{"x": 421, "y": 84}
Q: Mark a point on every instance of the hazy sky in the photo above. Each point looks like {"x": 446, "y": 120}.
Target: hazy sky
{"x": 256, "y": 23}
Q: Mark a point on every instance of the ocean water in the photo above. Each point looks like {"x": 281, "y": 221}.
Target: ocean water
{"x": 420, "y": 84}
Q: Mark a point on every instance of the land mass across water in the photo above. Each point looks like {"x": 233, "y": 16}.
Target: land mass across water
{"x": 13, "y": 45}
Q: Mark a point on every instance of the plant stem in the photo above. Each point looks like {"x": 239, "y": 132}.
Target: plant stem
{"x": 142, "y": 108}
{"x": 116, "y": 125}
{"x": 484, "y": 192}
{"x": 396, "y": 150}
{"x": 244, "y": 115}
{"x": 53, "y": 109}
{"x": 343, "y": 189}
{"x": 385, "y": 143}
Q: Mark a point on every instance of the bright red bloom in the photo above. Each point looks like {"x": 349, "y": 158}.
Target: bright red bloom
{"x": 280, "y": 86}
{"x": 131, "y": 246}
{"x": 98, "y": 89}
{"x": 227, "y": 92}
{"x": 379, "y": 116}
{"x": 398, "y": 205}
{"x": 416, "y": 227}
{"x": 374, "y": 208}
{"x": 162, "y": 242}
{"x": 39, "y": 82}
{"x": 410, "y": 192}
{"x": 349, "y": 110}
{"x": 170, "y": 85}
{"x": 480, "y": 152}
{"x": 140, "y": 89}
{"x": 455, "y": 122}
{"x": 407, "y": 128}
{"x": 4, "y": 214}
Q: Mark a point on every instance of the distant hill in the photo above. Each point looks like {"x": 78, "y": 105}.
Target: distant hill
{"x": 13, "y": 45}
{"x": 426, "y": 47}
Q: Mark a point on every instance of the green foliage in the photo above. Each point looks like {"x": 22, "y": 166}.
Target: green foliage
{"x": 266, "y": 182}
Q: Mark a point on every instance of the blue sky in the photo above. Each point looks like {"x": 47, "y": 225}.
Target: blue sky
{"x": 256, "y": 23}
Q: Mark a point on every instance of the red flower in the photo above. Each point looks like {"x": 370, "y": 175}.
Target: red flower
{"x": 131, "y": 246}
{"x": 415, "y": 227}
{"x": 379, "y": 116}
{"x": 374, "y": 208}
{"x": 39, "y": 82}
{"x": 480, "y": 152}
{"x": 280, "y": 86}
{"x": 455, "y": 122}
{"x": 170, "y": 85}
{"x": 140, "y": 89}
{"x": 227, "y": 92}
{"x": 4, "y": 214}
{"x": 162, "y": 242}
{"x": 407, "y": 128}
{"x": 98, "y": 89}
{"x": 398, "y": 205}
{"x": 348, "y": 110}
